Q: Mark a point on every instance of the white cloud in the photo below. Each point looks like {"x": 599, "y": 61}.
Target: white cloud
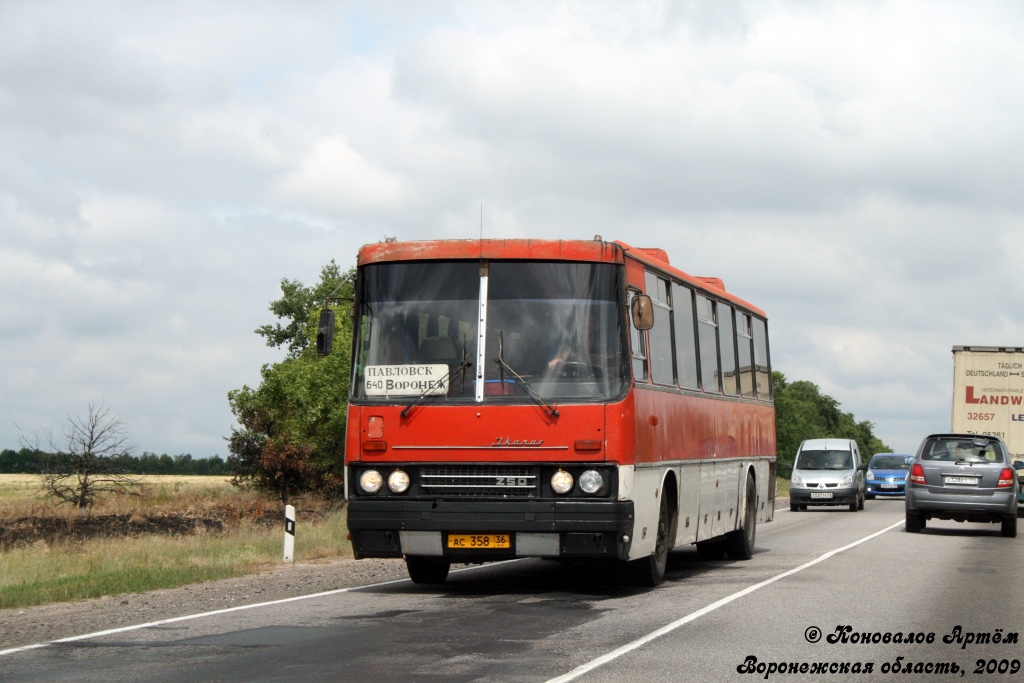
{"x": 336, "y": 179}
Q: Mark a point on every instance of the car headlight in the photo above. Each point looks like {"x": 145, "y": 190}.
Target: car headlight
{"x": 797, "y": 481}
{"x": 870, "y": 474}
{"x": 561, "y": 482}
{"x": 847, "y": 480}
{"x": 591, "y": 481}
{"x": 370, "y": 481}
{"x": 398, "y": 481}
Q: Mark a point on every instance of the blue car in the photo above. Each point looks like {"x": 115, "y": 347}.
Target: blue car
{"x": 887, "y": 475}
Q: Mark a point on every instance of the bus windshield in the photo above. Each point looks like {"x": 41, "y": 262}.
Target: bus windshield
{"x": 553, "y": 330}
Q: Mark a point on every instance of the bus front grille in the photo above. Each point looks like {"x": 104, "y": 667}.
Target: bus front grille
{"x": 468, "y": 481}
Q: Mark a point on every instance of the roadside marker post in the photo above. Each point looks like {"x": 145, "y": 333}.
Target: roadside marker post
{"x": 289, "y": 533}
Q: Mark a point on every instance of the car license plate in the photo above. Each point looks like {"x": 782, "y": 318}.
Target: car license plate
{"x": 888, "y": 486}
{"x": 479, "y": 541}
{"x": 827, "y": 494}
{"x": 965, "y": 481}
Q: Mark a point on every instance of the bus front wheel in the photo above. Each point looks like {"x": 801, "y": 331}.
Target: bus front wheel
{"x": 650, "y": 571}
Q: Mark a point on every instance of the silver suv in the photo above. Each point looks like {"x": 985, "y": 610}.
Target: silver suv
{"x": 962, "y": 477}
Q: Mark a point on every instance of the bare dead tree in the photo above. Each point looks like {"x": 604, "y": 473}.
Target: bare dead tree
{"x": 82, "y": 466}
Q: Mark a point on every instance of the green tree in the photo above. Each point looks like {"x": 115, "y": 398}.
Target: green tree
{"x": 292, "y": 426}
{"x": 803, "y": 412}
{"x": 299, "y": 304}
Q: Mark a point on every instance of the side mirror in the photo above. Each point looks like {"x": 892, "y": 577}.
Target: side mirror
{"x": 1018, "y": 465}
{"x": 786, "y": 467}
{"x": 643, "y": 312}
{"x": 863, "y": 467}
{"x": 325, "y": 332}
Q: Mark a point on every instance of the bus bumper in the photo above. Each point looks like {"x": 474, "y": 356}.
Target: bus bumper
{"x": 560, "y": 528}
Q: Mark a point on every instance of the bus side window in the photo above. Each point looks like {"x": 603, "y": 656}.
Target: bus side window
{"x": 637, "y": 345}
{"x": 727, "y": 346}
{"x": 660, "y": 335}
{"x": 686, "y": 345}
{"x": 762, "y": 367}
{"x": 707, "y": 337}
{"x": 744, "y": 344}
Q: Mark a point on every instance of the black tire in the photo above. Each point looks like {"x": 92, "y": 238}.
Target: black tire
{"x": 915, "y": 522}
{"x": 650, "y": 571}
{"x": 854, "y": 505}
{"x": 803, "y": 507}
{"x": 869, "y": 496}
{"x": 710, "y": 550}
{"x": 1009, "y": 529}
{"x": 860, "y": 505}
{"x": 793, "y": 507}
{"x": 739, "y": 544}
{"x": 429, "y": 570}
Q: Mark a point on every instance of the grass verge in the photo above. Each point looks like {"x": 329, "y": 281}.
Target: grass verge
{"x": 47, "y": 571}
{"x": 39, "y": 574}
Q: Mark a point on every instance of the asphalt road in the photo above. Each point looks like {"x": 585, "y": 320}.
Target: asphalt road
{"x": 813, "y": 572}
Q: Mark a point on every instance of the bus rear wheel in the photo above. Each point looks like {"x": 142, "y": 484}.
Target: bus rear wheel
{"x": 430, "y": 570}
{"x": 650, "y": 571}
{"x": 739, "y": 544}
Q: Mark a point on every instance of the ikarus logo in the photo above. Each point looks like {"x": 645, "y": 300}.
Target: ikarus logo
{"x": 521, "y": 443}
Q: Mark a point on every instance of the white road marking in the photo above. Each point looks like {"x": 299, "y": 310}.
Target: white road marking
{"x": 640, "y": 642}
{"x": 123, "y": 629}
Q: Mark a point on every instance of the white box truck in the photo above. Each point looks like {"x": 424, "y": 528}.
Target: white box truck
{"x": 988, "y": 393}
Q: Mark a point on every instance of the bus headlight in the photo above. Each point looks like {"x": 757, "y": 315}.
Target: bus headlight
{"x": 398, "y": 481}
{"x": 591, "y": 481}
{"x": 561, "y": 482}
{"x": 370, "y": 481}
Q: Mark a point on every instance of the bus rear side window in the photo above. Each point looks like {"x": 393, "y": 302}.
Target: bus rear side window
{"x": 727, "y": 347}
{"x": 762, "y": 370}
{"x": 707, "y": 337}
{"x": 744, "y": 344}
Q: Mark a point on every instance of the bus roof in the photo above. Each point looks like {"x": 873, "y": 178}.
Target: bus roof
{"x": 548, "y": 250}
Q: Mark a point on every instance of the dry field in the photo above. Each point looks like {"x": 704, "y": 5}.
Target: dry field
{"x": 179, "y": 530}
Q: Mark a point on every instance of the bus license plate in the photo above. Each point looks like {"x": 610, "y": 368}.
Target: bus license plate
{"x": 967, "y": 481}
{"x": 827, "y": 494}
{"x": 479, "y": 541}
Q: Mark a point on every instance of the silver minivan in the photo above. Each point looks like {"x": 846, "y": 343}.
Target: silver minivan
{"x": 827, "y": 472}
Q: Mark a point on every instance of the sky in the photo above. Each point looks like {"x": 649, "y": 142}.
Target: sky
{"x": 856, "y": 169}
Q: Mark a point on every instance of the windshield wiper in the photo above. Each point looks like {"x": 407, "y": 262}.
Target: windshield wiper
{"x": 538, "y": 399}
{"x": 429, "y": 391}
{"x": 463, "y": 365}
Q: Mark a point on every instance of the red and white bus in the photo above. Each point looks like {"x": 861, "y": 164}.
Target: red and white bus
{"x": 557, "y": 399}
